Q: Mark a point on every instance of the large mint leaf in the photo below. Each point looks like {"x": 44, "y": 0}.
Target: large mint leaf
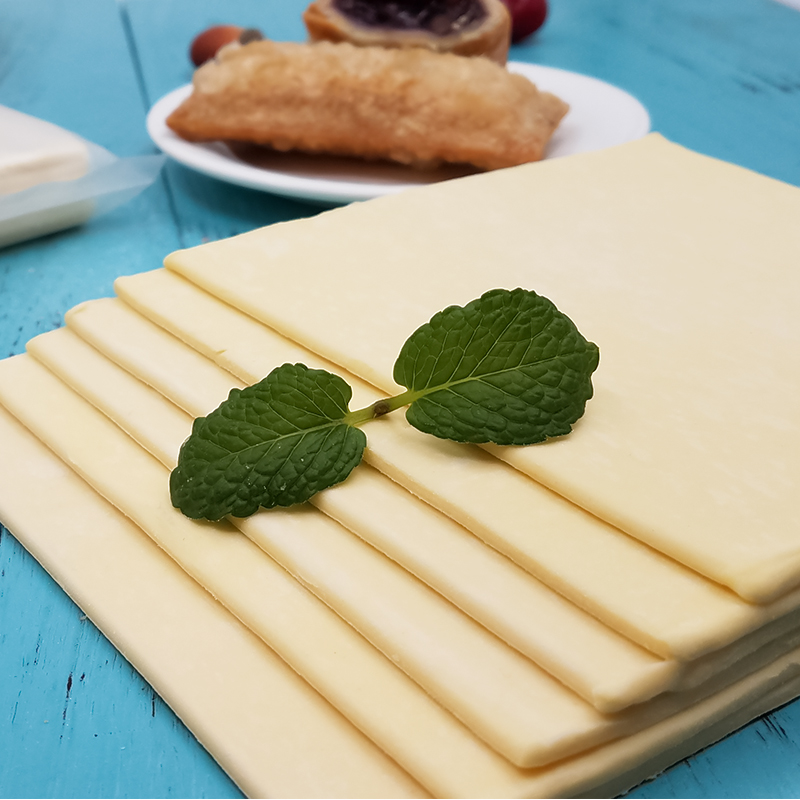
{"x": 276, "y": 443}
{"x": 508, "y": 368}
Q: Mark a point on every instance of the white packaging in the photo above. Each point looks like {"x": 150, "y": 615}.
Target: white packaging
{"x": 51, "y": 179}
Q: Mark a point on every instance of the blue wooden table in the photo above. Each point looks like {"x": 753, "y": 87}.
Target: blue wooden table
{"x": 720, "y": 76}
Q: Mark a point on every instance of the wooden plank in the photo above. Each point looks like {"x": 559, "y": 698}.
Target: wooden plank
{"x": 721, "y": 77}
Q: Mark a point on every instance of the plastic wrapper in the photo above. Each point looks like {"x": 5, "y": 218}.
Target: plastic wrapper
{"x": 59, "y": 204}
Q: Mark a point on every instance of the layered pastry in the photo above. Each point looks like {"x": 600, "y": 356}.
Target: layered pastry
{"x": 412, "y": 106}
{"x": 463, "y": 27}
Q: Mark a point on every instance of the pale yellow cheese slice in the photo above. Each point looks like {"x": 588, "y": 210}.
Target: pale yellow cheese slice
{"x": 504, "y": 698}
{"x": 617, "y": 579}
{"x": 122, "y": 581}
{"x": 368, "y": 688}
{"x": 353, "y": 581}
{"x": 45, "y": 404}
{"x": 272, "y": 733}
{"x": 602, "y": 772}
{"x": 615, "y": 676}
{"x": 680, "y": 268}
{"x": 540, "y": 623}
{"x": 522, "y": 611}
{"x": 559, "y": 638}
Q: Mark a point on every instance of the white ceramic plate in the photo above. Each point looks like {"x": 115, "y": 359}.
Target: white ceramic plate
{"x": 600, "y": 115}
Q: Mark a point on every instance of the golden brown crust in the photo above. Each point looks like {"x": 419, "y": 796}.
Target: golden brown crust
{"x": 412, "y": 106}
{"x": 490, "y": 37}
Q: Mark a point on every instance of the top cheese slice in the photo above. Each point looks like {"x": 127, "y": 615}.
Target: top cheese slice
{"x": 681, "y": 267}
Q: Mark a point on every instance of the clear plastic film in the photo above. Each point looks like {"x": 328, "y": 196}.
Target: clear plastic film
{"x": 55, "y": 205}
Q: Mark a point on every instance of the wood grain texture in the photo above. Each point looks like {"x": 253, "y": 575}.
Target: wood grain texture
{"x": 721, "y": 77}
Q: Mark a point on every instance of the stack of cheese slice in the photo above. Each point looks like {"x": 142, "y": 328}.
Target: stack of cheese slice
{"x": 558, "y": 620}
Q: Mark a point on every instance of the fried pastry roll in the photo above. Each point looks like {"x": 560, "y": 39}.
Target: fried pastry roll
{"x": 411, "y": 105}
{"x": 463, "y": 27}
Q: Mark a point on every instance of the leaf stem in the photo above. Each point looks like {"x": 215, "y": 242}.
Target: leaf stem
{"x": 381, "y": 407}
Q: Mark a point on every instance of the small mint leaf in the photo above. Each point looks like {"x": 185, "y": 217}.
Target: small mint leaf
{"x": 276, "y": 443}
{"x": 507, "y": 368}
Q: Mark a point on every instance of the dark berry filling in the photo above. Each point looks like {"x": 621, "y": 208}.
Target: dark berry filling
{"x": 437, "y": 16}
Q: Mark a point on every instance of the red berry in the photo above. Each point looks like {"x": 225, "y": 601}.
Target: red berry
{"x": 527, "y": 16}
{"x": 205, "y": 45}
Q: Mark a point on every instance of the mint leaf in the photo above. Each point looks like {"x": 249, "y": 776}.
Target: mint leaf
{"x": 276, "y": 443}
{"x": 507, "y": 368}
